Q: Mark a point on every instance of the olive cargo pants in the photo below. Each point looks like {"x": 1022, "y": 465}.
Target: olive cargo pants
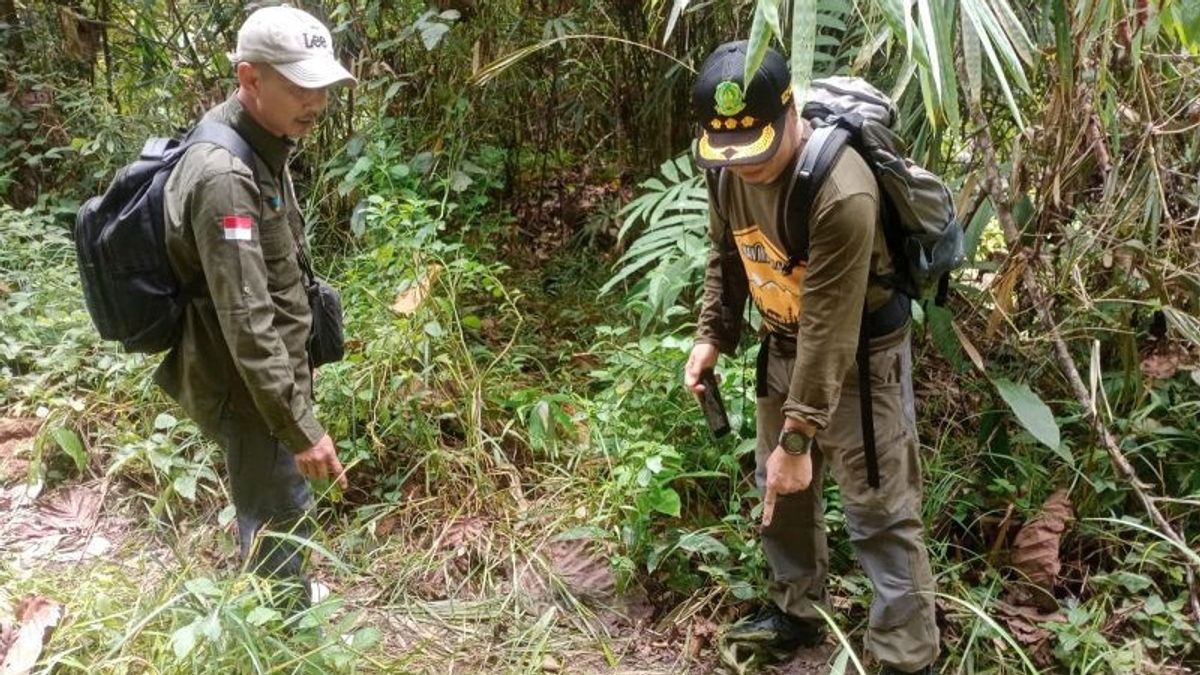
{"x": 269, "y": 493}
{"x": 884, "y": 525}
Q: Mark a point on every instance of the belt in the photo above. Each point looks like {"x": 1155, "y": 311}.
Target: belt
{"x": 887, "y": 318}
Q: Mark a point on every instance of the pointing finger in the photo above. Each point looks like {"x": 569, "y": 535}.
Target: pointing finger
{"x": 339, "y": 473}
{"x": 768, "y": 506}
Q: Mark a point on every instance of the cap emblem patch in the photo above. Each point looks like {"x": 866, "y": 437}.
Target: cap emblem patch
{"x": 730, "y": 100}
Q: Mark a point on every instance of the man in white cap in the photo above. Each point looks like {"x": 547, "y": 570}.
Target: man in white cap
{"x": 235, "y": 238}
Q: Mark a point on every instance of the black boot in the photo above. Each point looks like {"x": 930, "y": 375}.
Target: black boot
{"x": 774, "y": 629}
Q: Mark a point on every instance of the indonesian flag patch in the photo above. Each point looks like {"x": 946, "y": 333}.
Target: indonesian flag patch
{"x": 238, "y": 228}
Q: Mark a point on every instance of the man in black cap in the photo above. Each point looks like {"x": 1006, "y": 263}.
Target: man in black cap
{"x": 808, "y": 412}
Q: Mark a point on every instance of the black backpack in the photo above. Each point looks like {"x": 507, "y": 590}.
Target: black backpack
{"x": 131, "y": 291}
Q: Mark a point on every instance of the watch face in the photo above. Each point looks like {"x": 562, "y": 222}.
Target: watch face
{"x": 794, "y": 441}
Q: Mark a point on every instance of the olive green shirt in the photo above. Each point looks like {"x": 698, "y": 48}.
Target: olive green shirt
{"x": 821, "y": 304}
{"x": 232, "y": 237}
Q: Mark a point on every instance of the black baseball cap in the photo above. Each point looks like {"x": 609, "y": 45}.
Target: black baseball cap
{"x": 740, "y": 124}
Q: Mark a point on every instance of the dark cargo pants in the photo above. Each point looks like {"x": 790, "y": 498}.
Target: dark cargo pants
{"x": 272, "y": 498}
{"x": 884, "y": 525}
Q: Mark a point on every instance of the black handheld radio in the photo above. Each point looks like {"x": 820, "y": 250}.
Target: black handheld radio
{"x": 714, "y": 408}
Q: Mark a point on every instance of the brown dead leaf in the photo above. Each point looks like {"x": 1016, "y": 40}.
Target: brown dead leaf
{"x": 969, "y": 347}
{"x": 8, "y": 635}
{"x": 408, "y": 301}
{"x": 1002, "y": 293}
{"x": 1036, "y": 546}
{"x": 1024, "y": 622}
{"x": 37, "y": 618}
{"x": 59, "y": 526}
{"x": 70, "y": 508}
{"x": 16, "y": 443}
{"x": 1163, "y": 363}
{"x": 462, "y": 534}
{"x": 570, "y": 565}
{"x": 585, "y": 574}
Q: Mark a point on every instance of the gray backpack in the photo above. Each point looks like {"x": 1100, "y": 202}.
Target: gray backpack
{"x": 919, "y": 221}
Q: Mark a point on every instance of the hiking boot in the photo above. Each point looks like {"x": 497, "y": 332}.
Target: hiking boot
{"x": 774, "y": 629}
{"x": 888, "y": 670}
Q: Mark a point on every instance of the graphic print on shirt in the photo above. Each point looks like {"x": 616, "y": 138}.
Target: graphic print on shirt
{"x": 776, "y": 294}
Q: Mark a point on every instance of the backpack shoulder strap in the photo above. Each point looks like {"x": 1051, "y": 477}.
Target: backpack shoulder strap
{"x": 223, "y": 136}
{"x": 717, "y": 179}
{"x": 821, "y": 151}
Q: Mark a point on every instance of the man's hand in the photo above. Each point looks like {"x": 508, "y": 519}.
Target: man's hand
{"x": 787, "y": 473}
{"x": 321, "y": 461}
{"x": 701, "y": 359}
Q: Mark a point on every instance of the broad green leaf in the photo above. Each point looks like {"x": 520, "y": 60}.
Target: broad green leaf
{"x": 185, "y": 485}
{"x": 226, "y": 516}
{"x": 975, "y": 229}
{"x": 202, "y": 586}
{"x": 804, "y": 45}
{"x": 972, "y": 61}
{"x": 260, "y": 616}
{"x": 69, "y": 441}
{"x": 210, "y": 627}
{"x": 1031, "y": 411}
{"x": 183, "y": 641}
{"x": 704, "y": 544}
{"x": 584, "y": 532}
{"x": 365, "y": 638}
{"x": 940, "y": 322}
{"x": 165, "y": 421}
{"x": 665, "y": 500}
{"x": 765, "y": 25}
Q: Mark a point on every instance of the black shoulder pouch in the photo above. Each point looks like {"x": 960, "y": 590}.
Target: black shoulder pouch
{"x": 327, "y": 339}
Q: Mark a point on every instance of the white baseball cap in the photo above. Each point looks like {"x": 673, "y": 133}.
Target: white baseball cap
{"x": 293, "y": 42}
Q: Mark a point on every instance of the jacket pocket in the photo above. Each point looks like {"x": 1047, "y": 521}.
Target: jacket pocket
{"x": 279, "y": 253}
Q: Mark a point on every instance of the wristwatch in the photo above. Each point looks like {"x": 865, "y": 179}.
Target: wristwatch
{"x": 795, "y": 442}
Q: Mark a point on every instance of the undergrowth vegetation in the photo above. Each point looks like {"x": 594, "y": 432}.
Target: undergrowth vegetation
{"x": 504, "y": 205}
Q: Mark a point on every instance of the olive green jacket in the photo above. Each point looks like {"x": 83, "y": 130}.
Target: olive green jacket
{"x": 819, "y": 304}
{"x": 232, "y": 237}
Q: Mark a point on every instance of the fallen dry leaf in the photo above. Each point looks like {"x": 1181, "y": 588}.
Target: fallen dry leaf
{"x": 1162, "y": 364}
{"x": 1003, "y": 294}
{"x": 969, "y": 347}
{"x": 584, "y": 573}
{"x": 16, "y": 442}
{"x": 1036, "y": 546}
{"x": 59, "y": 526}
{"x": 70, "y": 508}
{"x": 37, "y": 618}
{"x": 8, "y": 635}
{"x": 463, "y": 534}
{"x": 1024, "y": 622}
{"x": 408, "y": 301}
